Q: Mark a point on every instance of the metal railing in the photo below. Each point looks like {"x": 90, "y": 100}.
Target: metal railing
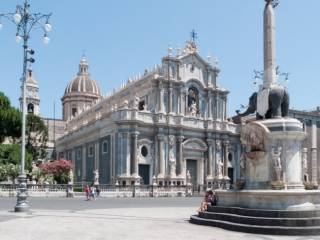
{"x": 105, "y": 190}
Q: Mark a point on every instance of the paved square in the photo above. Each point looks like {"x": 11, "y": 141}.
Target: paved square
{"x": 123, "y": 218}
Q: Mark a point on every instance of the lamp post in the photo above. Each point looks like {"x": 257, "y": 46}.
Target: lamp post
{"x": 25, "y": 22}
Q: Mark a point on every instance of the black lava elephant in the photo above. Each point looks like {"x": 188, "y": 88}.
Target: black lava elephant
{"x": 278, "y": 104}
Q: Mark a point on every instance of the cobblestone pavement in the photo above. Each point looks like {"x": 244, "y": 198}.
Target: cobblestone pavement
{"x": 147, "y": 218}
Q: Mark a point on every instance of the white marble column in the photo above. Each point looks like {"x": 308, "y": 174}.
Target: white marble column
{"x": 210, "y": 158}
{"x": 160, "y": 98}
{"x": 181, "y": 171}
{"x": 304, "y": 159}
{"x": 113, "y": 159}
{"x": 217, "y": 107}
{"x": 186, "y": 103}
{"x": 84, "y": 162}
{"x": 161, "y": 156}
{"x": 170, "y": 98}
{"x": 214, "y": 159}
{"x": 209, "y": 105}
{"x": 179, "y": 102}
{"x": 225, "y": 108}
{"x": 134, "y": 159}
{"x": 127, "y": 147}
{"x": 314, "y": 162}
{"x": 96, "y": 155}
{"x": 225, "y": 159}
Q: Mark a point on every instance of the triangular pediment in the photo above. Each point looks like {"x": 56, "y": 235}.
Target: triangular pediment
{"x": 193, "y": 66}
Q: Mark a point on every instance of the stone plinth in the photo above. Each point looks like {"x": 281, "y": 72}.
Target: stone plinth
{"x": 273, "y": 155}
{"x": 271, "y": 199}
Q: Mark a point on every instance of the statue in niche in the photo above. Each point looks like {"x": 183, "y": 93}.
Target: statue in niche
{"x": 276, "y": 153}
{"x": 220, "y": 168}
{"x": 192, "y": 101}
{"x": 193, "y": 109}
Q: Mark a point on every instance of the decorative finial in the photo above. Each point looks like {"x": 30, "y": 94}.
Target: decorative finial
{"x": 170, "y": 50}
{"x": 178, "y": 50}
{"x": 209, "y": 58}
{"x": 194, "y": 36}
{"x": 83, "y": 54}
{"x": 216, "y": 62}
{"x": 274, "y": 3}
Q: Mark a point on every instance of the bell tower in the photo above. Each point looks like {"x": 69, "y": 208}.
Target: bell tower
{"x": 32, "y": 95}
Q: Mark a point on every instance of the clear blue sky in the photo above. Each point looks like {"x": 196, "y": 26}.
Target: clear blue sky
{"x": 122, "y": 38}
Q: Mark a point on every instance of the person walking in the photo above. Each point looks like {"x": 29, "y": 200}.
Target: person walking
{"x": 87, "y": 192}
{"x": 92, "y": 192}
{"x": 97, "y": 191}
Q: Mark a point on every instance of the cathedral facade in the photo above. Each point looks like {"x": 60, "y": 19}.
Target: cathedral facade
{"x": 166, "y": 126}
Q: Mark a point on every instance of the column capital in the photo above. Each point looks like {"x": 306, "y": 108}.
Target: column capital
{"x": 134, "y": 134}
{"x": 210, "y": 141}
{"x": 180, "y": 138}
{"x": 226, "y": 142}
{"x": 160, "y": 136}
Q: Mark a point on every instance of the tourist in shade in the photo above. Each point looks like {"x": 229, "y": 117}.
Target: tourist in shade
{"x": 208, "y": 199}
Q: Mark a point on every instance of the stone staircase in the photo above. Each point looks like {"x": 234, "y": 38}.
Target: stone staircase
{"x": 261, "y": 221}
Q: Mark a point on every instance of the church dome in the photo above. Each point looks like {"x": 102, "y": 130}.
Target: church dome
{"x": 82, "y": 83}
{"x": 80, "y": 94}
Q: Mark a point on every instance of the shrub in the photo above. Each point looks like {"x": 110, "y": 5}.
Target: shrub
{"x": 58, "y": 169}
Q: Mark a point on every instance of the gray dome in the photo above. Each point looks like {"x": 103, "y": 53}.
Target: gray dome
{"x": 82, "y": 82}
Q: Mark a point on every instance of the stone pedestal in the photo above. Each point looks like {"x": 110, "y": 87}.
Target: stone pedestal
{"x": 273, "y": 153}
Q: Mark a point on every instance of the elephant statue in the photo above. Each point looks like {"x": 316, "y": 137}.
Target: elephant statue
{"x": 278, "y": 104}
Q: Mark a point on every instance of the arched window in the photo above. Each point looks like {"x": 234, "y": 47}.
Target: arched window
{"x": 30, "y": 108}
{"x": 74, "y": 112}
{"x": 105, "y": 147}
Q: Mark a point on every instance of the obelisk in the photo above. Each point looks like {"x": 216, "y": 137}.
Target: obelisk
{"x": 269, "y": 58}
{"x": 269, "y": 33}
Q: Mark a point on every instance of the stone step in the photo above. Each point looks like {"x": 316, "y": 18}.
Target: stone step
{"x": 265, "y": 212}
{"x": 262, "y": 221}
{"x": 256, "y": 229}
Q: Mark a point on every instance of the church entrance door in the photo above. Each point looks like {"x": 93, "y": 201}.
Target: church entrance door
{"x": 144, "y": 172}
{"x": 192, "y": 166}
{"x": 230, "y": 175}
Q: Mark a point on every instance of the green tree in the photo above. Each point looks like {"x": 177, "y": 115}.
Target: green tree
{"x": 37, "y": 136}
{"x": 10, "y": 119}
{"x": 3, "y": 173}
{"x": 10, "y": 154}
{"x": 10, "y": 126}
{"x": 13, "y": 171}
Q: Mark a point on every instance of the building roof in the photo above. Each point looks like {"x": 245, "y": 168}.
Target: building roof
{"x": 83, "y": 83}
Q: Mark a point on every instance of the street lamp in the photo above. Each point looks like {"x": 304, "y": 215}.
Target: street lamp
{"x": 25, "y": 23}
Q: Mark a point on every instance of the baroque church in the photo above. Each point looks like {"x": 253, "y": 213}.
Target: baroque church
{"x": 164, "y": 126}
